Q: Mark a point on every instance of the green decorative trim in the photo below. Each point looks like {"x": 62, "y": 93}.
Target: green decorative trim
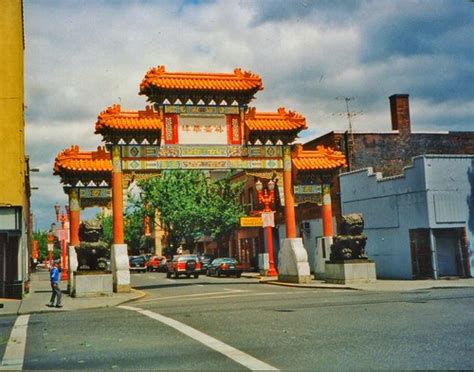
{"x": 232, "y": 163}
{"x": 307, "y": 189}
{"x": 140, "y": 151}
{"x": 265, "y": 151}
{"x": 315, "y": 199}
{"x": 95, "y": 193}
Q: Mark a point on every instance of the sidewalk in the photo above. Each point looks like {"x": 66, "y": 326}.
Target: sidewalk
{"x": 379, "y": 285}
{"x": 40, "y": 292}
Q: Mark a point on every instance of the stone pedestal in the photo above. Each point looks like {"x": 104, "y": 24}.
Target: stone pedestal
{"x": 350, "y": 271}
{"x": 120, "y": 269}
{"x": 71, "y": 267}
{"x": 323, "y": 250}
{"x": 90, "y": 284}
{"x": 293, "y": 264}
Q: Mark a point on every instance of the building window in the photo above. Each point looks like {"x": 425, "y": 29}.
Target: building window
{"x": 251, "y": 199}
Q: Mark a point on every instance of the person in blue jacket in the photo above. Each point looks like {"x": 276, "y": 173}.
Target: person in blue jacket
{"x": 56, "y": 291}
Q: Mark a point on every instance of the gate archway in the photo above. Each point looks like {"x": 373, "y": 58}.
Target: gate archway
{"x": 196, "y": 121}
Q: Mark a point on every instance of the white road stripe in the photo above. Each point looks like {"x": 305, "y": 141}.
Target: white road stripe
{"x": 15, "y": 350}
{"x": 185, "y": 296}
{"x": 232, "y": 353}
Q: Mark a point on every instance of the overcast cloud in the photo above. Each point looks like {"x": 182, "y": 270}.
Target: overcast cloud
{"x": 82, "y": 56}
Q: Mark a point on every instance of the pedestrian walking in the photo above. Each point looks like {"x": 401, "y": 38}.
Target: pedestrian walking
{"x": 55, "y": 290}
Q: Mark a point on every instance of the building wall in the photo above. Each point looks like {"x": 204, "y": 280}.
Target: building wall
{"x": 12, "y": 153}
{"x": 436, "y": 192}
{"x": 14, "y": 178}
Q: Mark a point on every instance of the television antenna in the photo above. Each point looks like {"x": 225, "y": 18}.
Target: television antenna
{"x": 350, "y": 115}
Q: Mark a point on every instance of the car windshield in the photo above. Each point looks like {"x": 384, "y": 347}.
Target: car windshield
{"x": 229, "y": 260}
{"x": 188, "y": 257}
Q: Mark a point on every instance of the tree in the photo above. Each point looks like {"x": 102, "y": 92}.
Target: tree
{"x": 107, "y": 228}
{"x": 40, "y": 237}
{"x": 133, "y": 226}
{"x": 191, "y": 205}
{"x": 224, "y": 212}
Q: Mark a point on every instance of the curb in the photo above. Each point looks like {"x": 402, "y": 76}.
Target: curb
{"x": 312, "y": 286}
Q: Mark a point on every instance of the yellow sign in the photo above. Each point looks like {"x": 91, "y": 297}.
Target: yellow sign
{"x": 251, "y": 222}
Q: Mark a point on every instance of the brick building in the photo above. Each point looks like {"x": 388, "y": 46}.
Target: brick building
{"x": 388, "y": 152}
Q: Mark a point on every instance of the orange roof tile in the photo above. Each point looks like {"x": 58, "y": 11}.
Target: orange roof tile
{"x": 274, "y": 121}
{"x": 74, "y": 160}
{"x": 237, "y": 81}
{"x": 114, "y": 118}
{"x": 323, "y": 158}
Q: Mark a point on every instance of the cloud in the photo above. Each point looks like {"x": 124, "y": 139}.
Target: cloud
{"x": 81, "y": 57}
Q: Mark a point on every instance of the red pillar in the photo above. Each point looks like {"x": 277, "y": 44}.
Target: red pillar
{"x": 290, "y": 220}
{"x": 271, "y": 262}
{"x": 74, "y": 219}
{"x": 326, "y": 212}
{"x": 117, "y": 196}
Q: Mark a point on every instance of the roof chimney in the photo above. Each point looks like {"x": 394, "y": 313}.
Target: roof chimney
{"x": 400, "y": 112}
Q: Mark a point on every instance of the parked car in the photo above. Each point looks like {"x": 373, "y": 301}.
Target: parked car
{"x": 157, "y": 263}
{"x": 205, "y": 261}
{"x": 225, "y": 266}
{"x": 187, "y": 264}
{"x": 137, "y": 263}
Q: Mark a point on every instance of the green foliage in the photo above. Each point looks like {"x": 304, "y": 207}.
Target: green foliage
{"x": 40, "y": 236}
{"x": 191, "y": 205}
{"x": 107, "y": 227}
{"x": 133, "y": 226}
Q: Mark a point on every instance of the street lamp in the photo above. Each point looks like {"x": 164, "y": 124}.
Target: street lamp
{"x": 50, "y": 238}
{"x": 57, "y": 207}
{"x": 62, "y": 238}
{"x": 266, "y": 198}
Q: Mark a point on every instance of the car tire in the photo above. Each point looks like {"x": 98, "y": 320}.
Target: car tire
{"x": 239, "y": 275}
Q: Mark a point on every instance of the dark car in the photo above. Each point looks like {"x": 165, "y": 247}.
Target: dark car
{"x": 137, "y": 263}
{"x": 225, "y": 266}
{"x": 187, "y": 264}
{"x": 205, "y": 262}
{"x": 157, "y": 263}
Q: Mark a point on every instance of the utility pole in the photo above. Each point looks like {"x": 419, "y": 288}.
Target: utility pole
{"x": 350, "y": 145}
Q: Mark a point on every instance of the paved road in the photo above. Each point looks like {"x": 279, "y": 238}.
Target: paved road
{"x": 229, "y": 323}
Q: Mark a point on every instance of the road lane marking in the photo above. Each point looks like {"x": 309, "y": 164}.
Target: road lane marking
{"x": 185, "y": 296}
{"x": 15, "y": 350}
{"x": 230, "y": 352}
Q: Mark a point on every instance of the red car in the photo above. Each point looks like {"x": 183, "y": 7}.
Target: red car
{"x": 156, "y": 263}
{"x": 187, "y": 264}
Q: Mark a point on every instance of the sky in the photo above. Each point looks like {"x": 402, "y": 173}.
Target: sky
{"x": 83, "y": 56}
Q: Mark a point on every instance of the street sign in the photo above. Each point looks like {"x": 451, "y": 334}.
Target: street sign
{"x": 250, "y": 221}
{"x": 268, "y": 219}
{"x": 50, "y": 247}
{"x": 61, "y": 234}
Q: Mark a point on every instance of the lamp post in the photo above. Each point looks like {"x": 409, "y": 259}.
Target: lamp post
{"x": 57, "y": 208}
{"x": 62, "y": 234}
{"x": 63, "y": 219}
{"x": 266, "y": 198}
{"x": 50, "y": 238}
